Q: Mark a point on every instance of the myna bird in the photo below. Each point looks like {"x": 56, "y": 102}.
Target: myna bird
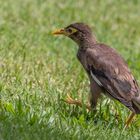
{"x": 107, "y": 71}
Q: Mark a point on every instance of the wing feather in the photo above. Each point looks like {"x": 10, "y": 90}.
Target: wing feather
{"x": 112, "y": 72}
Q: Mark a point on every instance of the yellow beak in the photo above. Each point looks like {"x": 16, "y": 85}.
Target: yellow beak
{"x": 59, "y": 32}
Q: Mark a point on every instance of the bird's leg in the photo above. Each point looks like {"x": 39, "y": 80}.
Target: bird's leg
{"x": 70, "y": 100}
{"x": 94, "y": 95}
{"x": 129, "y": 120}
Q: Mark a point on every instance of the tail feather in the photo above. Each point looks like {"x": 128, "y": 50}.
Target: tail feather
{"x": 136, "y": 104}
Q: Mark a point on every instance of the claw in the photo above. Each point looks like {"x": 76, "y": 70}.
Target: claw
{"x": 70, "y": 100}
{"x": 129, "y": 120}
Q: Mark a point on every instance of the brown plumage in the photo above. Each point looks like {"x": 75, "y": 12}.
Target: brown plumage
{"x": 107, "y": 70}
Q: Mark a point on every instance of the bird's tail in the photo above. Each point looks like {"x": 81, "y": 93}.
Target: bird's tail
{"x": 136, "y": 104}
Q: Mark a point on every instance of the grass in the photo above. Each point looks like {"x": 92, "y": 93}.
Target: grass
{"x": 37, "y": 70}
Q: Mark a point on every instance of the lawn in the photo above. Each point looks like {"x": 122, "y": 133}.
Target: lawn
{"x": 38, "y": 70}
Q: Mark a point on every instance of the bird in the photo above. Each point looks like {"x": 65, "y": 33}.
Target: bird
{"x": 107, "y": 70}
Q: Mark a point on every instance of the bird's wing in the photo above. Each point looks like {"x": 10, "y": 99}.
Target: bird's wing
{"x": 111, "y": 72}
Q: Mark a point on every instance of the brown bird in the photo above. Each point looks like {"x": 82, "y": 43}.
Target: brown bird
{"x": 107, "y": 71}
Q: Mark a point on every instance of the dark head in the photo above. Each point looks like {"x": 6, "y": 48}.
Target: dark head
{"x": 79, "y": 32}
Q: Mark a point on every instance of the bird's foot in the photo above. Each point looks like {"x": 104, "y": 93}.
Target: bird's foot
{"x": 129, "y": 120}
{"x": 70, "y": 100}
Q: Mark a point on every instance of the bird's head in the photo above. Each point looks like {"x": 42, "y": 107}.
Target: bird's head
{"x": 79, "y": 32}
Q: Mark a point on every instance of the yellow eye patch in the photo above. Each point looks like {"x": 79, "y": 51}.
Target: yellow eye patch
{"x": 70, "y": 31}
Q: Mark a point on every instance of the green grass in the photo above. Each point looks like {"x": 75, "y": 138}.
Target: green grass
{"x": 38, "y": 70}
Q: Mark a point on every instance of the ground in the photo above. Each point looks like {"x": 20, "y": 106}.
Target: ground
{"x": 38, "y": 70}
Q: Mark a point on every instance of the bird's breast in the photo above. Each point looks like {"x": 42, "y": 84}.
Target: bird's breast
{"x": 81, "y": 55}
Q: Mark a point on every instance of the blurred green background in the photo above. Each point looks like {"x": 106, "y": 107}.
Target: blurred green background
{"x": 38, "y": 70}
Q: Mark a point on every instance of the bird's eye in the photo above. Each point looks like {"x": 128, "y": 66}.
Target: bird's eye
{"x": 70, "y": 30}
